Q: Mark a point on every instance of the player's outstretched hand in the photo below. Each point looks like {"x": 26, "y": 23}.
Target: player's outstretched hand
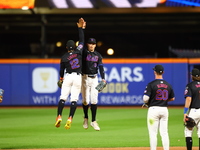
{"x": 81, "y": 23}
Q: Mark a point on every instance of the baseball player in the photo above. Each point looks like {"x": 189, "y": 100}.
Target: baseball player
{"x": 70, "y": 73}
{"x": 1, "y": 95}
{"x": 157, "y": 95}
{"x": 192, "y": 106}
{"x": 92, "y": 61}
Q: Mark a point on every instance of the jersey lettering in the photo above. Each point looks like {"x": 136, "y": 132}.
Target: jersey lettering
{"x": 95, "y": 65}
{"x": 90, "y": 58}
{"x": 74, "y": 63}
{"x": 197, "y": 85}
{"x": 162, "y": 85}
{"x": 72, "y": 56}
{"x": 162, "y": 94}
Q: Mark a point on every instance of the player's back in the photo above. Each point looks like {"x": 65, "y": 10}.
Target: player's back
{"x": 161, "y": 91}
{"x": 194, "y": 87}
{"x": 72, "y": 61}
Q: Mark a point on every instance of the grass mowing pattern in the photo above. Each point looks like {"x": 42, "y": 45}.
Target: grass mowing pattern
{"x": 120, "y": 127}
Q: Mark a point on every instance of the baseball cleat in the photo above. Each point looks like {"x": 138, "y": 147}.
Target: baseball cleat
{"x": 95, "y": 125}
{"x": 68, "y": 123}
{"x": 58, "y": 121}
{"x": 85, "y": 123}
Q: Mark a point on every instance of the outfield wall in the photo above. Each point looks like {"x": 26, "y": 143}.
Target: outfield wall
{"x": 34, "y": 81}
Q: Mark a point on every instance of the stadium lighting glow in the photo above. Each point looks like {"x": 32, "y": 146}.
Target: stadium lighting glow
{"x": 110, "y": 51}
{"x": 59, "y": 44}
{"x": 25, "y": 8}
{"x": 17, "y": 4}
{"x": 77, "y": 43}
{"x": 99, "y": 43}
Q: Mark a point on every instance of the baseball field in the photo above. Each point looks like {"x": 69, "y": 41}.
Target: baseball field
{"x": 122, "y": 128}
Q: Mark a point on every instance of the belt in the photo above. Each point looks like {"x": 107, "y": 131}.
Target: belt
{"x": 74, "y": 73}
{"x": 91, "y": 75}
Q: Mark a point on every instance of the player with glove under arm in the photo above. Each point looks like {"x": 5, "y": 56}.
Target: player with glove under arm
{"x": 92, "y": 61}
{"x": 192, "y": 106}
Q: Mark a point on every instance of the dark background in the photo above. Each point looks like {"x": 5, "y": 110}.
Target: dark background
{"x": 131, "y": 32}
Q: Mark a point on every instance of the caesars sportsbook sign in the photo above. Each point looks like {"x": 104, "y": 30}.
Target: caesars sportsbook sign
{"x": 125, "y": 85}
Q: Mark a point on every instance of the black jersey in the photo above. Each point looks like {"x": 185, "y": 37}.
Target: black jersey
{"x": 159, "y": 91}
{"x": 91, "y": 62}
{"x": 193, "y": 90}
{"x": 72, "y": 61}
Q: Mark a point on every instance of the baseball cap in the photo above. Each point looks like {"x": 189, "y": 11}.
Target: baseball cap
{"x": 195, "y": 72}
{"x": 70, "y": 45}
{"x": 92, "y": 40}
{"x": 158, "y": 69}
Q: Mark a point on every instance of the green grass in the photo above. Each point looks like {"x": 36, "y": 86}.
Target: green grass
{"x": 120, "y": 127}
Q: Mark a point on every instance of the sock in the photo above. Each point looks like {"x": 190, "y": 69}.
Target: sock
{"x": 61, "y": 105}
{"x": 85, "y": 110}
{"x": 72, "y": 108}
{"x": 189, "y": 143}
{"x": 94, "y": 111}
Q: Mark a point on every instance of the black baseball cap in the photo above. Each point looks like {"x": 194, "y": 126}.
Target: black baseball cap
{"x": 92, "y": 41}
{"x": 158, "y": 69}
{"x": 195, "y": 72}
{"x": 70, "y": 45}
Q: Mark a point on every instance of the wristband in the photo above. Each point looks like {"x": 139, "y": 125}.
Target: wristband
{"x": 185, "y": 110}
{"x": 61, "y": 78}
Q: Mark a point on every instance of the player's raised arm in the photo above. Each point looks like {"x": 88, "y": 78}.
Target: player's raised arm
{"x": 81, "y": 25}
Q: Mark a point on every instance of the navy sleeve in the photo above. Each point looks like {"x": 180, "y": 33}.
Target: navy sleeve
{"x": 62, "y": 69}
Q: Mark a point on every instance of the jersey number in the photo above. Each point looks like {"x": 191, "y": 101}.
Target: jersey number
{"x": 74, "y": 63}
{"x": 162, "y": 94}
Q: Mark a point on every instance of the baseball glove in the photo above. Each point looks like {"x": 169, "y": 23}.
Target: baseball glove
{"x": 101, "y": 86}
{"x": 189, "y": 123}
{"x": 59, "y": 83}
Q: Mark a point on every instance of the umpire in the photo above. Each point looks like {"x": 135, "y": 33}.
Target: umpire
{"x": 92, "y": 61}
{"x": 192, "y": 106}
